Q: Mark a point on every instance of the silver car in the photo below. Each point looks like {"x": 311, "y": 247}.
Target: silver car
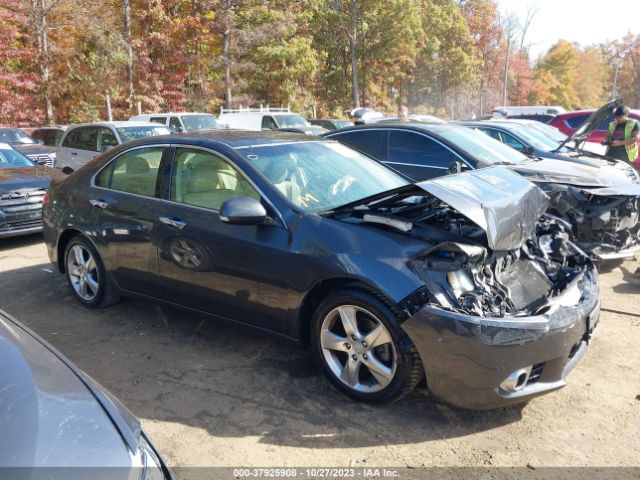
{"x": 58, "y": 423}
{"x": 82, "y": 143}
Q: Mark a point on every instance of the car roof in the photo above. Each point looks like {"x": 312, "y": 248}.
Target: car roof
{"x": 232, "y": 138}
{"x": 411, "y": 125}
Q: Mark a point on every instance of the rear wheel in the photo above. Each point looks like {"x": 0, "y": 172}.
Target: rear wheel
{"x": 362, "y": 350}
{"x": 86, "y": 275}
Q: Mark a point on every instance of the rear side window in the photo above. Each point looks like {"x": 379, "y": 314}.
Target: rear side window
{"x": 135, "y": 171}
{"x": 575, "y": 122}
{"x": 371, "y": 142}
{"x": 161, "y": 120}
{"x": 84, "y": 138}
{"x": 414, "y": 148}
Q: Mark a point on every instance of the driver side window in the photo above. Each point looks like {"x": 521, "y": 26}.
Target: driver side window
{"x": 203, "y": 179}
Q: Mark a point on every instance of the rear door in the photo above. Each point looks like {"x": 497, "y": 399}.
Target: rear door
{"x": 206, "y": 263}
{"x": 79, "y": 147}
{"x": 125, "y": 202}
{"x": 418, "y": 156}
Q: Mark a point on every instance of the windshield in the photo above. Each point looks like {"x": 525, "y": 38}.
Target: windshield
{"x": 200, "y": 122}
{"x": 551, "y": 132}
{"x": 535, "y": 138}
{"x": 16, "y": 136}
{"x": 10, "y": 158}
{"x": 290, "y": 120}
{"x": 482, "y": 147}
{"x": 320, "y": 176}
{"x": 130, "y": 133}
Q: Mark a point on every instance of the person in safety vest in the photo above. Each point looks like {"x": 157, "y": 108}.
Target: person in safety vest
{"x": 622, "y": 139}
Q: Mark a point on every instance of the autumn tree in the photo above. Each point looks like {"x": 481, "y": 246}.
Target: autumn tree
{"x": 19, "y": 103}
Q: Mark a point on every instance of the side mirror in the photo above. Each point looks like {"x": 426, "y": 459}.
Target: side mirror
{"x": 457, "y": 167}
{"x": 243, "y": 211}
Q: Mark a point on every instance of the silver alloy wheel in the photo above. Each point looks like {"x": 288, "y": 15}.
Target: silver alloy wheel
{"x": 83, "y": 272}
{"x": 358, "y": 348}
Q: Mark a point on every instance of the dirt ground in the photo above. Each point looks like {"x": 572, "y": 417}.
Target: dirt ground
{"x": 214, "y": 395}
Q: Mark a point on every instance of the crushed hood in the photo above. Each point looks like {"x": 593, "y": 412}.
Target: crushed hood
{"x": 581, "y": 173}
{"x": 501, "y": 202}
{"x": 590, "y": 124}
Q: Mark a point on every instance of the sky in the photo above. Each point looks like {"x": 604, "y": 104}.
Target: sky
{"x": 582, "y": 21}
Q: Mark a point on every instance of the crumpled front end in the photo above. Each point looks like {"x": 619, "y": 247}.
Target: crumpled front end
{"x": 605, "y": 221}
{"x": 496, "y": 328}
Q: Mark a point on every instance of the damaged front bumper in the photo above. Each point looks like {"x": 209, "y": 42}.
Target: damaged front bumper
{"x": 470, "y": 361}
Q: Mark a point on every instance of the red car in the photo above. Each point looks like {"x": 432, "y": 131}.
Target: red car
{"x": 568, "y": 122}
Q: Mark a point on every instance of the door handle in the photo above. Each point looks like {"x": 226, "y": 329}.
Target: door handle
{"x": 74, "y": 153}
{"x": 98, "y": 203}
{"x": 173, "y": 222}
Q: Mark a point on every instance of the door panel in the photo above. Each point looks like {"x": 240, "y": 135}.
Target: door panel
{"x": 125, "y": 213}
{"x": 209, "y": 264}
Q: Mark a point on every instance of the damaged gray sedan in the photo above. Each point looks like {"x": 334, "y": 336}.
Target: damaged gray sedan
{"x": 461, "y": 282}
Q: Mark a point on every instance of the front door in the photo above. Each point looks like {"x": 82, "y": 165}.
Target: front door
{"x": 125, "y": 204}
{"x": 204, "y": 262}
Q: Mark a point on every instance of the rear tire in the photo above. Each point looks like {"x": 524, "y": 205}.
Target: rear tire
{"x": 356, "y": 339}
{"x": 86, "y": 275}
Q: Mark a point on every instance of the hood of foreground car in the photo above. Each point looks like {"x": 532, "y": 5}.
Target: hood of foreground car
{"x": 38, "y": 176}
{"x": 49, "y": 417}
{"x": 579, "y": 172}
{"x": 504, "y": 204}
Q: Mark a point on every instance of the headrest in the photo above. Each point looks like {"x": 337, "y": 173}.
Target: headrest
{"x": 137, "y": 165}
{"x": 276, "y": 171}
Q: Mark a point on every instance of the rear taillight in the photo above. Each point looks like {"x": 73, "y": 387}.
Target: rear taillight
{"x": 46, "y": 199}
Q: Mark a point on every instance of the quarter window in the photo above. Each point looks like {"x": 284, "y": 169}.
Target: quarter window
{"x": 135, "y": 171}
{"x": 206, "y": 180}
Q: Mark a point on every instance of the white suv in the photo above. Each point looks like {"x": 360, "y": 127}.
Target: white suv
{"x": 82, "y": 143}
{"x": 261, "y": 119}
{"x": 179, "y": 122}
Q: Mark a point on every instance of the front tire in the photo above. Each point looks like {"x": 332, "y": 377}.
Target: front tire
{"x": 363, "y": 351}
{"x": 86, "y": 275}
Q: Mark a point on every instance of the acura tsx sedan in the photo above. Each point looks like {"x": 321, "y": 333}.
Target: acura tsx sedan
{"x": 461, "y": 282}
{"x": 57, "y": 423}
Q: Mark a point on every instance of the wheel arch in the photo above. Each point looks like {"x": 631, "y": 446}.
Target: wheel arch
{"x": 323, "y": 288}
{"x": 63, "y": 241}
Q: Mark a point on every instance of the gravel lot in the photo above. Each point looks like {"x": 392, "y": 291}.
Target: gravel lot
{"x": 214, "y": 395}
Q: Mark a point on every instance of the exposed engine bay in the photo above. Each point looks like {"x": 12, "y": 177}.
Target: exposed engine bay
{"x": 601, "y": 223}
{"x": 463, "y": 273}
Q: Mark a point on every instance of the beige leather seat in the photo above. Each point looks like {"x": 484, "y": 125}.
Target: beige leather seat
{"x": 283, "y": 177}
